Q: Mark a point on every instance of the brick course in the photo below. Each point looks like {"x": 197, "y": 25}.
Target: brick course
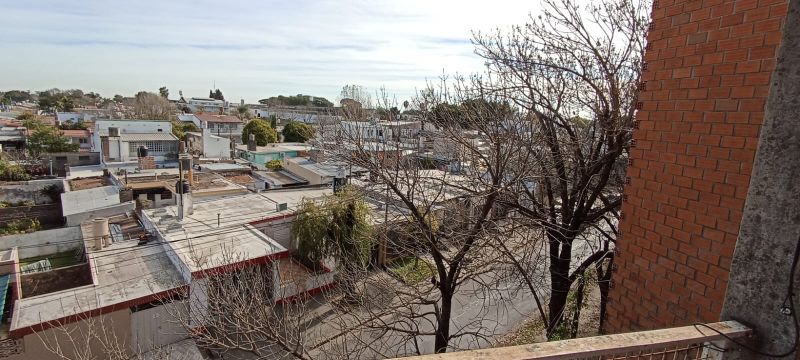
{"x": 706, "y": 82}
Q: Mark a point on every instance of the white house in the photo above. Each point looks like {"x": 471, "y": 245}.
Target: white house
{"x": 209, "y": 145}
{"x": 404, "y": 134}
{"x": 206, "y": 105}
{"x": 118, "y": 140}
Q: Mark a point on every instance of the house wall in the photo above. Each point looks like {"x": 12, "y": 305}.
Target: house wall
{"x": 48, "y": 214}
{"x": 158, "y": 326}
{"x": 15, "y": 192}
{"x": 312, "y": 177}
{"x": 44, "y": 242}
{"x": 116, "y": 324}
{"x": 313, "y": 282}
{"x": 60, "y": 160}
{"x": 127, "y": 126}
{"x": 108, "y": 211}
{"x": 263, "y": 158}
{"x": 279, "y": 230}
{"x": 706, "y": 80}
{"x": 216, "y": 147}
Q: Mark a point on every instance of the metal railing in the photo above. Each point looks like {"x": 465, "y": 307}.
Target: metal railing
{"x": 706, "y": 341}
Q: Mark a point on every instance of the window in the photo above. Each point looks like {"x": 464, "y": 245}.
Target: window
{"x": 83, "y": 158}
{"x": 61, "y": 158}
{"x": 160, "y": 130}
{"x": 155, "y": 148}
{"x": 83, "y": 141}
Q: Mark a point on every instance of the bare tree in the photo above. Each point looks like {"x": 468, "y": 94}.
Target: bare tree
{"x": 149, "y": 106}
{"x": 95, "y": 337}
{"x": 463, "y": 201}
{"x": 355, "y": 102}
{"x": 575, "y": 71}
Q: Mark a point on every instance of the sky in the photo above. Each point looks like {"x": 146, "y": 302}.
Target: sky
{"x": 250, "y": 49}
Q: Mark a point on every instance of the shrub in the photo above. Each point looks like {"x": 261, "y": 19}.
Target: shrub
{"x": 274, "y": 165}
{"x": 22, "y": 226}
{"x": 12, "y": 172}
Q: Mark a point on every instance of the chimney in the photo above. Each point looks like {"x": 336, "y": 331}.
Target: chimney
{"x": 185, "y": 205}
{"x": 251, "y": 143}
{"x": 100, "y": 233}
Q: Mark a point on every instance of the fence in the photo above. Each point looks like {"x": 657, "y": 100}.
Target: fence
{"x": 688, "y": 342}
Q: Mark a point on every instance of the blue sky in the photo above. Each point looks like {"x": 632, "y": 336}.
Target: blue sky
{"x": 252, "y": 49}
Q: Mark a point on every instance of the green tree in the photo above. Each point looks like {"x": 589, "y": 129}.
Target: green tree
{"x": 243, "y": 112}
{"x": 47, "y": 99}
{"x": 70, "y": 125}
{"x": 12, "y": 172}
{"x": 179, "y": 129}
{"x": 296, "y": 131}
{"x": 163, "y": 92}
{"x": 321, "y": 102}
{"x": 65, "y": 104}
{"x": 340, "y": 227}
{"x": 274, "y": 165}
{"x": 118, "y": 98}
{"x": 46, "y": 139}
{"x": 17, "y": 95}
{"x": 264, "y": 133}
{"x": 218, "y": 95}
{"x": 26, "y": 115}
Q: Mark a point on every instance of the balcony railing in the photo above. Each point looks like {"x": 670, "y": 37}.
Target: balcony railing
{"x": 688, "y": 342}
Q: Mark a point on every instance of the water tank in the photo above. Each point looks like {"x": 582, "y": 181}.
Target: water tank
{"x": 100, "y": 233}
{"x": 142, "y": 151}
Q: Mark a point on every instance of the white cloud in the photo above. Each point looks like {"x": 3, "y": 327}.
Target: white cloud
{"x": 252, "y": 49}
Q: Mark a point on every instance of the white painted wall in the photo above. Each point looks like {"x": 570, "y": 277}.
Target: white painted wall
{"x": 216, "y": 147}
{"x": 127, "y": 126}
{"x": 313, "y": 281}
{"x": 157, "y": 326}
{"x": 44, "y": 242}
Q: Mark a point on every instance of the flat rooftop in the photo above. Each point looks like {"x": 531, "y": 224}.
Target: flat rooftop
{"x": 123, "y": 271}
{"x": 219, "y": 233}
{"x": 91, "y": 182}
{"x": 281, "y": 178}
{"x": 224, "y": 167}
{"x": 277, "y": 147}
{"x": 79, "y": 201}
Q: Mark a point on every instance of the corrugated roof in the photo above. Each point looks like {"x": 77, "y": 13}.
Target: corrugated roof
{"x": 157, "y": 136}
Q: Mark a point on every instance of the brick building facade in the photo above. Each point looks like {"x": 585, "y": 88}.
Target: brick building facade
{"x": 705, "y": 84}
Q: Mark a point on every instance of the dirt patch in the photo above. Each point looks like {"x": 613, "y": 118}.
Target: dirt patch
{"x": 88, "y": 183}
{"x": 56, "y": 280}
{"x": 533, "y": 330}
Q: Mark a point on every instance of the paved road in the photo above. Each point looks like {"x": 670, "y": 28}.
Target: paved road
{"x": 506, "y": 306}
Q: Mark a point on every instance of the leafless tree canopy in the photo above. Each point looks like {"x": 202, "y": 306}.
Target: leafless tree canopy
{"x": 575, "y": 71}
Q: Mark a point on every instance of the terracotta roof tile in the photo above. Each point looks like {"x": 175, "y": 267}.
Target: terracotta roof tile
{"x": 218, "y": 118}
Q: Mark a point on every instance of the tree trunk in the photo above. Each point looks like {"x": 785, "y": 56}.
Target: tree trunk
{"x": 558, "y": 302}
{"x": 603, "y": 281}
{"x": 578, "y": 305}
{"x": 443, "y": 324}
{"x": 560, "y": 257}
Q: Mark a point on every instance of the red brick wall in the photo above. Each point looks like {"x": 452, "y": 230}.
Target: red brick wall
{"x": 702, "y": 104}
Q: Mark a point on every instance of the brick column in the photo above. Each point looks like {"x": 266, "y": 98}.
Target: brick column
{"x": 147, "y": 162}
{"x": 707, "y": 75}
